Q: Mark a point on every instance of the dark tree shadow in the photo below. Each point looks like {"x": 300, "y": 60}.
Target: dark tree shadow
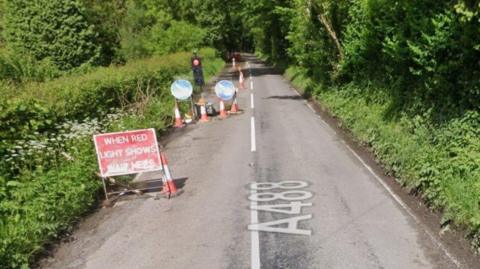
{"x": 156, "y": 185}
{"x": 285, "y": 97}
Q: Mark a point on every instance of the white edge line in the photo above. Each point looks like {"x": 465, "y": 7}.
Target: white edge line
{"x": 255, "y": 240}
{"x": 254, "y": 237}
{"x": 311, "y": 107}
{"x": 253, "y": 139}
{"x": 404, "y": 206}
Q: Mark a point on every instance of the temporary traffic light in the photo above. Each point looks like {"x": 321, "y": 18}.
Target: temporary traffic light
{"x": 198, "y": 76}
{"x": 197, "y": 71}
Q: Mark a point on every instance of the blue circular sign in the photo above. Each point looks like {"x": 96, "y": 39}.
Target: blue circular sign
{"x": 225, "y": 90}
{"x": 181, "y": 89}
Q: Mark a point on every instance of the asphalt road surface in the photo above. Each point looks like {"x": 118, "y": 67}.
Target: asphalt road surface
{"x": 274, "y": 187}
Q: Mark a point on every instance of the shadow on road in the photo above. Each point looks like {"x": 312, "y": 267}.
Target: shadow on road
{"x": 286, "y": 97}
{"x": 156, "y": 185}
{"x": 180, "y": 182}
{"x": 262, "y": 71}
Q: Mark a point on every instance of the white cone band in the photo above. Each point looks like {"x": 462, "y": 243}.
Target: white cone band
{"x": 167, "y": 173}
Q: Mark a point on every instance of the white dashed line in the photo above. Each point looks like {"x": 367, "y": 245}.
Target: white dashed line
{"x": 253, "y": 138}
{"x": 254, "y": 236}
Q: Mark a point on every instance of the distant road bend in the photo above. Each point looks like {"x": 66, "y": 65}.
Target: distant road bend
{"x": 274, "y": 187}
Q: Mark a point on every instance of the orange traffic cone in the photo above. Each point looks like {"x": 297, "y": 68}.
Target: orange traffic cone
{"x": 203, "y": 112}
{"x": 169, "y": 187}
{"x": 178, "y": 117}
{"x": 234, "y": 109}
{"x": 223, "y": 112}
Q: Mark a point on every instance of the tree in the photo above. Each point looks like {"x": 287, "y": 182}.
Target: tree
{"x": 179, "y": 36}
{"x": 106, "y": 16}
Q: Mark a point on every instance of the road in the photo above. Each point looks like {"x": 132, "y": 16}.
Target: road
{"x": 274, "y": 187}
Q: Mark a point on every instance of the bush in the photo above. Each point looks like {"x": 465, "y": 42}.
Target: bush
{"x": 20, "y": 68}
{"x": 423, "y": 53}
{"x": 84, "y": 95}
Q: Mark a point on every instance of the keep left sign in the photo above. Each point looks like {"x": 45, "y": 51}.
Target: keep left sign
{"x": 126, "y": 153}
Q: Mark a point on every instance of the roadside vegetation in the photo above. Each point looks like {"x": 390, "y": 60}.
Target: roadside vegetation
{"x": 59, "y": 86}
{"x": 403, "y": 76}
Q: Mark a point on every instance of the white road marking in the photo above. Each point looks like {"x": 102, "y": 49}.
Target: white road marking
{"x": 321, "y": 119}
{"x": 405, "y": 207}
{"x": 252, "y": 105}
{"x": 253, "y": 138}
{"x": 291, "y": 226}
{"x": 310, "y": 106}
{"x": 254, "y": 237}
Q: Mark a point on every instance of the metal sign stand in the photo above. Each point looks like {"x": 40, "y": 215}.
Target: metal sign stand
{"x": 194, "y": 112}
{"x": 105, "y": 188}
{"x": 103, "y": 144}
{"x": 126, "y": 189}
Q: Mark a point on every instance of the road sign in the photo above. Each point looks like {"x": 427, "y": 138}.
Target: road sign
{"x": 181, "y": 89}
{"x": 225, "y": 90}
{"x": 126, "y": 153}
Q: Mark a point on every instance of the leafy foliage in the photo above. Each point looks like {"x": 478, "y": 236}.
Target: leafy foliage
{"x": 106, "y": 16}
{"x": 179, "y": 36}
{"x": 24, "y": 68}
{"x": 57, "y": 29}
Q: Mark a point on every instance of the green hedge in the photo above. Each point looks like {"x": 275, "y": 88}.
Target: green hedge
{"x": 35, "y": 107}
{"x": 86, "y": 94}
{"x": 43, "y": 123}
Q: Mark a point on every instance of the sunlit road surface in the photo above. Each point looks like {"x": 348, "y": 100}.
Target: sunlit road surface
{"x": 274, "y": 187}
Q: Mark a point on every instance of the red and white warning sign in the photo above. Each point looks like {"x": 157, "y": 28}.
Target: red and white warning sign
{"x": 126, "y": 153}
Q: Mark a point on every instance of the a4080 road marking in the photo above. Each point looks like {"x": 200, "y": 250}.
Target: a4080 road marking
{"x": 289, "y": 196}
